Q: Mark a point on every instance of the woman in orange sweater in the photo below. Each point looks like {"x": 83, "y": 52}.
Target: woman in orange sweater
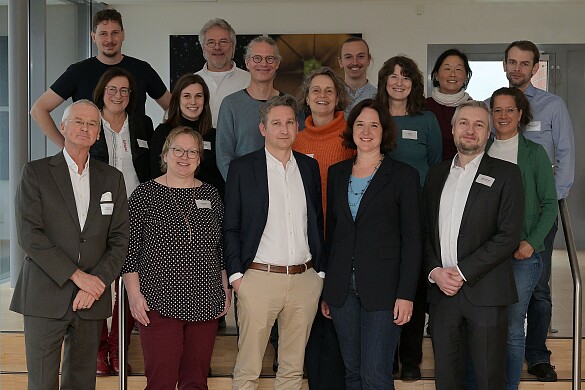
{"x": 324, "y": 96}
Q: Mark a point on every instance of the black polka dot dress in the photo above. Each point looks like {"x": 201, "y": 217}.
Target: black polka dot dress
{"x": 179, "y": 266}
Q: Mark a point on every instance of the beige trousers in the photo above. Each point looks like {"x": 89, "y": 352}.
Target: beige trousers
{"x": 262, "y": 298}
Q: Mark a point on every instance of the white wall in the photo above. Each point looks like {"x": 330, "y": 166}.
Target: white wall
{"x": 390, "y": 27}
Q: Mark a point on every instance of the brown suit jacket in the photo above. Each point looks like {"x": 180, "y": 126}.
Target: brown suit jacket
{"x": 55, "y": 246}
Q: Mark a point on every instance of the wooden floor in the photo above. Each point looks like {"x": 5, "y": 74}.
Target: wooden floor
{"x": 13, "y": 362}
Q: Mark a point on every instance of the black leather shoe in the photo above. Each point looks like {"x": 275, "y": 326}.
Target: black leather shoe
{"x": 544, "y": 372}
{"x": 410, "y": 373}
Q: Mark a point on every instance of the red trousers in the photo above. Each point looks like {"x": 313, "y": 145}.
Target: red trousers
{"x": 109, "y": 343}
{"x": 177, "y": 353}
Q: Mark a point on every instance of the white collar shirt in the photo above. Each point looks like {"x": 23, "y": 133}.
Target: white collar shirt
{"x": 80, "y": 184}
{"x": 120, "y": 153}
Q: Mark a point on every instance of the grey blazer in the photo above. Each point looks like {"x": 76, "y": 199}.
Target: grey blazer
{"x": 55, "y": 246}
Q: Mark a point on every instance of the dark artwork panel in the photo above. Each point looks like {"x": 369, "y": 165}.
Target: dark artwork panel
{"x": 301, "y": 54}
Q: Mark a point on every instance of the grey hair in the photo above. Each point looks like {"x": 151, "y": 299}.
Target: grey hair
{"x": 81, "y": 101}
{"x": 472, "y": 104}
{"x": 264, "y": 39}
{"x": 277, "y": 101}
{"x": 217, "y": 22}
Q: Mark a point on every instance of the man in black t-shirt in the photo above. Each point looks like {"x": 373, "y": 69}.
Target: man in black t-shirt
{"x": 80, "y": 79}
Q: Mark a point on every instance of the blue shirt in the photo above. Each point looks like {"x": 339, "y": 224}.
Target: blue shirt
{"x": 551, "y": 128}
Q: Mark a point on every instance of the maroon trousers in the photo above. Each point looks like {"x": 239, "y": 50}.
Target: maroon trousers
{"x": 177, "y": 353}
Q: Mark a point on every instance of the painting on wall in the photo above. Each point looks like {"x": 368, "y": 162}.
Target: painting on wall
{"x": 301, "y": 53}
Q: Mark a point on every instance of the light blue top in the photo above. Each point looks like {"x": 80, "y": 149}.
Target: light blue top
{"x": 355, "y": 193}
{"x": 368, "y": 91}
{"x": 418, "y": 142}
{"x": 554, "y": 133}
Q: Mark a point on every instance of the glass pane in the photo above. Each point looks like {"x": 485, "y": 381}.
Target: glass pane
{"x": 4, "y": 190}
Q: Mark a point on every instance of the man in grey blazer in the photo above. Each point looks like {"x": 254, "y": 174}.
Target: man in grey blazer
{"x": 474, "y": 209}
{"x": 72, "y": 222}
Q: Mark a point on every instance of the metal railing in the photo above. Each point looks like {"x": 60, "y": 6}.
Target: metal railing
{"x": 577, "y": 294}
{"x": 122, "y": 335}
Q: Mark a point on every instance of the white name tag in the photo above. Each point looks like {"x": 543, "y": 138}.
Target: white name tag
{"x": 142, "y": 143}
{"x": 485, "y": 180}
{"x": 533, "y": 126}
{"x": 207, "y": 145}
{"x": 203, "y": 204}
{"x": 409, "y": 134}
{"x": 107, "y": 208}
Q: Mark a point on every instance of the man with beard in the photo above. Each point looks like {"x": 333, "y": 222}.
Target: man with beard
{"x": 218, "y": 42}
{"x": 474, "y": 209}
{"x": 80, "y": 79}
{"x": 354, "y": 58}
{"x": 551, "y": 128}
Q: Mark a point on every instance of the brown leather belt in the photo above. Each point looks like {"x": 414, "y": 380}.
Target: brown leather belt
{"x": 283, "y": 269}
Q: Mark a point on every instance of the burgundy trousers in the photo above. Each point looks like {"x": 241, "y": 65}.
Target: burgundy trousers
{"x": 109, "y": 342}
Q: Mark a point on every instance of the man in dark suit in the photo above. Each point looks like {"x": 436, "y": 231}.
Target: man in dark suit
{"x": 273, "y": 247}
{"x": 474, "y": 208}
{"x": 72, "y": 222}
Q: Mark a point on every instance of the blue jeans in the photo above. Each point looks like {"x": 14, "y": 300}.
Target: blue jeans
{"x": 526, "y": 273}
{"x": 367, "y": 340}
{"x": 540, "y": 308}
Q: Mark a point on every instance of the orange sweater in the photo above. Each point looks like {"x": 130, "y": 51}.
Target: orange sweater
{"x": 324, "y": 144}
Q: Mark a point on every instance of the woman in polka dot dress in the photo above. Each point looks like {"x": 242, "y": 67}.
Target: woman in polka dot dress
{"x": 174, "y": 272}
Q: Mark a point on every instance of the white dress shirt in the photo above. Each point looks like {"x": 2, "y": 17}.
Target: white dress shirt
{"x": 453, "y": 200}
{"x": 120, "y": 154}
{"x": 80, "y": 184}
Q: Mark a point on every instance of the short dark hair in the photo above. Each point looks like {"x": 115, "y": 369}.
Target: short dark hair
{"x": 354, "y": 39}
{"x": 174, "y": 112}
{"x": 443, "y": 57}
{"x": 343, "y": 99}
{"x": 276, "y": 101}
{"x": 389, "y": 128}
{"x": 520, "y": 101}
{"x": 109, "y": 14}
{"x": 169, "y": 140}
{"x": 100, "y": 88}
{"x": 408, "y": 68}
{"x": 525, "y": 46}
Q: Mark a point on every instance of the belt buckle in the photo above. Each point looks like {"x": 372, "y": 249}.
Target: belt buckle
{"x": 287, "y": 269}
{"x": 268, "y": 268}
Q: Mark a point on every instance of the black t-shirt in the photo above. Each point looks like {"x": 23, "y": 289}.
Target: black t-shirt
{"x": 80, "y": 79}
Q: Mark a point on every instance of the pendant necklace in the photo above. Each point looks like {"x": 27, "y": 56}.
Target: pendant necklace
{"x": 360, "y": 194}
{"x": 183, "y": 214}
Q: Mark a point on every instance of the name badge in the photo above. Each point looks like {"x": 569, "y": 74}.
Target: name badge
{"x": 409, "y": 134}
{"x": 533, "y": 126}
{"x": 485, "y": 180}
{"x": 142, "y": 143}
{"x": 107, "y": 208}
{"x": 206, "y": 145}
{"x": 203, "y": 204}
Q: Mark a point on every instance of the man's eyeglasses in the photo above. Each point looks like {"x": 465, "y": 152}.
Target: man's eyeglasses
{"x": 112, "y": 91}
{"x": 268, "y": 59}
{"x": 80, "y": 123}
{"x": 180, "y": 152}
{"x": 222, "y": 43}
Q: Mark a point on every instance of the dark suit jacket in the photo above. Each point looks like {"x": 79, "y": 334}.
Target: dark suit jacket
{"x": 49, "y": 232}
{"x": 385, "y": 241}
{"x": 140, "y": 128}
{"x": 489, "y": 233}
{"x": 246, "y": 209}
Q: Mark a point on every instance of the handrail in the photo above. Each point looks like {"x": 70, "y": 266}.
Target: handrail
{"x": 122, "y": 334}
{"x": 577, "y": 294}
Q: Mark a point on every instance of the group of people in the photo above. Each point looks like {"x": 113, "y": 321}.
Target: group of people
{"x": 343, "y": 216}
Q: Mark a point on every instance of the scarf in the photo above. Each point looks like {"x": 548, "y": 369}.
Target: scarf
{"x": 450, "y": 100}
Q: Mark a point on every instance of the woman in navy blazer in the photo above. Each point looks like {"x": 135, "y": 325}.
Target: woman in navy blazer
{"x": 373, "y": 246}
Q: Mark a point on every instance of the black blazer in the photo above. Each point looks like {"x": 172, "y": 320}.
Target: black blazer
{"x": 246, "y": 209}
{"x": 490, "y": 232}
{"x": 385, "y": 241}
{"x": 140, "y": 128}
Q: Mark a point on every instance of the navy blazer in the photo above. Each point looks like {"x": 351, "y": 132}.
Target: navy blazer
{"x": 246, "y": 209}
{"x": 490, "y": 231}
{"x": 384, "y": 243}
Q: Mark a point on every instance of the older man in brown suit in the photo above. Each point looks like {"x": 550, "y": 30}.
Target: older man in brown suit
{"x": 72, "y": 222}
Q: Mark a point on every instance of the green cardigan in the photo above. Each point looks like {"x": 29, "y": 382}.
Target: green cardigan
{"x": 540, "y": 196}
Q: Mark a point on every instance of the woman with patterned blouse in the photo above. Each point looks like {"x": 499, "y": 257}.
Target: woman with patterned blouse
{"x": 174, "y": 272}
